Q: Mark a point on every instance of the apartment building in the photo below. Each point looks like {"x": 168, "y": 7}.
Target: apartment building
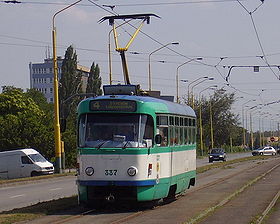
{"x": 41, "y": 76}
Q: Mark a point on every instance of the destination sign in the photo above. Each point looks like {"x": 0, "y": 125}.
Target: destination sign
{"x": 113, "y": 105}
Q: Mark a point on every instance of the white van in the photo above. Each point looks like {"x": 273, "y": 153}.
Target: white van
{"x": 23, "y": 163}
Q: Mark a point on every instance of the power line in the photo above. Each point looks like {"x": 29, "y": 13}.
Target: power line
{"x": 124, "y": 5}
{"x": 175, "y": 3}
{"x": 257, "y": 34}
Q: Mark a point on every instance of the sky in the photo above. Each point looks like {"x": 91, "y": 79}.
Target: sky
{"x": 229, "y": 35}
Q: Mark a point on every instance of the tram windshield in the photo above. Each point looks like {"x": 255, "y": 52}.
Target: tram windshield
{"x": 115, "y": 131}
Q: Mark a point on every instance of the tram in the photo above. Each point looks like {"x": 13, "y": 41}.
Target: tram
{"x": 134, "y": 148}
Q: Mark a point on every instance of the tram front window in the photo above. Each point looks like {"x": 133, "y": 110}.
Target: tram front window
{"x": 115, "y": 131}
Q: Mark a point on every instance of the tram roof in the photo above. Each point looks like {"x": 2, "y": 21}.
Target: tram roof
{"x": 173, "y": 108}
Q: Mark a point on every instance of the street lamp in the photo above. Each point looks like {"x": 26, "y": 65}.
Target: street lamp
{"x": 177, "y": 74}
{"x": 204, "y": 77}
{"x": 244, "y": 136}
{"x": 200, "y": 117}
{"x": 210, "y": 78}
{"x": 251, "y": 129}
{"x": 57, "y": 136}
{"x": 150, "y": 77}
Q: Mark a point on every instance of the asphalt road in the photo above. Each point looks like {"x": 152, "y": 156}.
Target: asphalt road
{"x": 21, "y": 195}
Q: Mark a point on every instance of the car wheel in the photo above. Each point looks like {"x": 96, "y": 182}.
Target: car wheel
{"x": 210, "y": 161}
{"x": 34, "y": 174}
{"x": 261, "y": 153}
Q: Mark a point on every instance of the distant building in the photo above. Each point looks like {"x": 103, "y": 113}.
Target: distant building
{"x": 41, "y": 76}
{"x": 157, "y": 94}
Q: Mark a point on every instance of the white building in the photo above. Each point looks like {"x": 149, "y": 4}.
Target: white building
{"x": 41, "y": 76}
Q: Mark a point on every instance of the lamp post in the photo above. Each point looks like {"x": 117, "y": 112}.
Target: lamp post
{"x": 150, "y": 75}
{"x": 204, "y": 77}
{"x": 262, "y": 127}
{"x": 210, "y": 78}
{"x": 177, "y": 74}
{"x": 57, "y": 136}
{"x": 200, "y": 118}
{"x": 211, "y": 124}
{"x": 251, "y": 128}
{"x": 244, "y": 136}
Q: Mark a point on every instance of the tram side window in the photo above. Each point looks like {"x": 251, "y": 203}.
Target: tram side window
{"x": 190, "y": 122}
{"x": 162, "y": 125}
{"x": 171, "y": 130}
{"x": 189, "y": 135}
{"x": 162, "y": 120}
{"x": 193, "y": 122}
{"x": 186, "y": 137}
{"x": 82, "y": 130}
{"x": 194, "y": 135}
{"x": 181, "y": 124}
{"x": 182, "y": 135}
{"x": 172, "y": 135}
{"x": 149, "y": 128}
{"x": 171, "y": 120}
{"x": 163, "y": 131}
{"x": 186, "y": 124}
{"x": 177, "y": 135}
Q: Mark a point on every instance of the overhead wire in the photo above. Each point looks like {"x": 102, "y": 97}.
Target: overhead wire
{"x": 122, "y": 5}
{"x": 257, "y": 34}
{"x": 177, "y": 53}
{"x": 215, "y": 66}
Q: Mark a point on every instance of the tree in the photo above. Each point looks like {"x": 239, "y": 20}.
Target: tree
{"x": 70, "y": 81}
{"x": 94, "y": 81}
{"x": 23, "y": 123}
{"x": 40, "y": 100}
{"x": 225, "y": 123}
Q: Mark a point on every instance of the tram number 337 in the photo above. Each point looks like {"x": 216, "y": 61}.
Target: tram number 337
{"x": 111, "y": 172}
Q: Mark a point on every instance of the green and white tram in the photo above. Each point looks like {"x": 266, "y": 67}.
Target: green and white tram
{"x": 134, "y": 148}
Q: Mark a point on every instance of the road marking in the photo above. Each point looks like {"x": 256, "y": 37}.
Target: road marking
{"x": 56, "y": 189}
{"x": 19, "y": 195}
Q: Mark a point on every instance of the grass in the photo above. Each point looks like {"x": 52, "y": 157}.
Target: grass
{"x": 226, "y": 165}
{"x": 30, "y": 179}
{"x": 38, "y": 210}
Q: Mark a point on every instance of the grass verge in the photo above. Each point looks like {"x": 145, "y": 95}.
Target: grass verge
{"x": 30, "y": 179}
{"x": 226, "y": 164}
{"x": 38, "y": 210}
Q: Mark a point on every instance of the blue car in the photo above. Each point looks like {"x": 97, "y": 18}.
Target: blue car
{"x": 217, "y": 154}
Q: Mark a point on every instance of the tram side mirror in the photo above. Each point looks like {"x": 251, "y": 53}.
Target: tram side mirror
{"x": 158, "y": 139}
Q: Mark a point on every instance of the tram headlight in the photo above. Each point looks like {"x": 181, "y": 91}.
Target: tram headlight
{"x": 132, "y": 171}
{"x": 89, "y": 171}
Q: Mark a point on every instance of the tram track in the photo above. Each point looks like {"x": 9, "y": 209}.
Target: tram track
{"x": 128, "y": 216}
{"x": 210, "y": 210}
{"x": 268, "y": 208}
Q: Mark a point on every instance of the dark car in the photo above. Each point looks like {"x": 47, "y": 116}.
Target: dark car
{"x": 217, "y": 154}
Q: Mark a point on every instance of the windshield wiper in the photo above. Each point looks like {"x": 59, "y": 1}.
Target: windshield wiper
{"x": 102, "y": 143}
{"x": 125, "y": 144}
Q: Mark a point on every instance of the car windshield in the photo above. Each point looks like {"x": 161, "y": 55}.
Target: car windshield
{"x": 37, "y": 158}
{"x": 115, "y": 130}
{"x": 217, "y": 151}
